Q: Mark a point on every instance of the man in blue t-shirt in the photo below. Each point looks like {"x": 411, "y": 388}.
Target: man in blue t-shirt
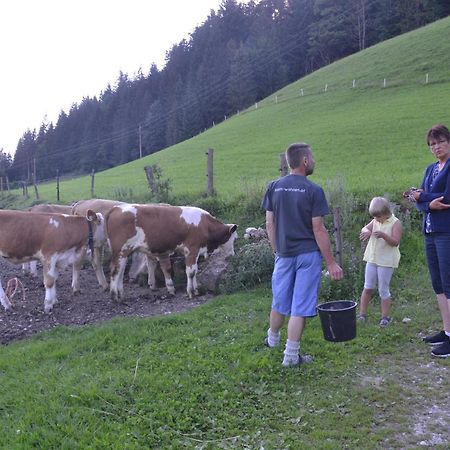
{"x": 295, "y": 208}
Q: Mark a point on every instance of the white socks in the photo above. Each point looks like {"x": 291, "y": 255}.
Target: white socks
{"x": 273, "y": 339}
{"x": 291, "y": 357}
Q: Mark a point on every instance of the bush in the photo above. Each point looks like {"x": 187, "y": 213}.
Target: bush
{"x": 251, "y": 266}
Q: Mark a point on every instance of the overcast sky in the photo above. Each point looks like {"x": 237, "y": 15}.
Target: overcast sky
{"x": 55, "y": 52}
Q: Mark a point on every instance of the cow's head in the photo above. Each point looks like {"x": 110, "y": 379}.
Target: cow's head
{"x": 98, "y": 221}
{"x": 227, "y": 248}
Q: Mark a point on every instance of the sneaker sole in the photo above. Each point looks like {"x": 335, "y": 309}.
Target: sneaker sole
{"x": 440, "y": 356}
{"x": 434, "y": 344}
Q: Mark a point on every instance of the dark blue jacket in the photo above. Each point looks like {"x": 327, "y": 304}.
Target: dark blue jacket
{"x": 440, "y": 219}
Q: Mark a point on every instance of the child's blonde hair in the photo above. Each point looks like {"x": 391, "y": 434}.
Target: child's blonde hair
{"x": 379, "y": 206}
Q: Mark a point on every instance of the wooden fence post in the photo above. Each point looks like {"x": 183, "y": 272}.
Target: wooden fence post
{"x": 34, "y": 179}
{"x": 57, "y": 185}
{"x": 150, "y": 179}
{"x": 92, "y": 182}
{"x": 284, "y": 168}
{"x": 25, "y": 189}
{"x": 210, "y": 174}
{"x": 337, "y": 220}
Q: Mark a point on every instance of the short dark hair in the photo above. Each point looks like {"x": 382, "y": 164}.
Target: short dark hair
{"x": 438, "y": 131}
{"x": 295, "y": 153}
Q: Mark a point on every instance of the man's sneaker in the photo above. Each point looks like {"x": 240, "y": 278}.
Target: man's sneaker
{"x": 385, "y": 321}
{"x": 437, "y": 339}
{"x": 302, "y": 359}
{"x": 266, "y": 343}
{"x": 362, "y": 318}
{"x": 442, "y": 351}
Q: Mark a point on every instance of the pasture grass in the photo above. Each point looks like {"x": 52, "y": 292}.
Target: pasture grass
{"x": 203, "y": 379}
{"x": 372, "y": 136}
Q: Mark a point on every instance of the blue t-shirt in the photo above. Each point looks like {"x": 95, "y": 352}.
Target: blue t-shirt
{"x": 294, "y": 201}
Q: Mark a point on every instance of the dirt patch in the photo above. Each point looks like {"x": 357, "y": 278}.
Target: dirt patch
{"x": 92, "y": 305}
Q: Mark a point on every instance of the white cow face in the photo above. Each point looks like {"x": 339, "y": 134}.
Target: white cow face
{"x": 227, "y": 249}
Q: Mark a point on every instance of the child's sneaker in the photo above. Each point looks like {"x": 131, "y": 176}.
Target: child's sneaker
{"x": 385, "y": 321}
{"x": 362, "y": 318}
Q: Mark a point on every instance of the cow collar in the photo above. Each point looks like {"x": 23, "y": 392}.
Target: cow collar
{"x": 90, "y": 237}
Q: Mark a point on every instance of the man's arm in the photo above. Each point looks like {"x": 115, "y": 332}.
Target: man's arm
{"x": 323, "y": 241}
{"x": 270, "y": 228}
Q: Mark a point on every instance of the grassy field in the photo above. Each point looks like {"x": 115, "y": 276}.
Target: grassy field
{"x": 203, "y": 379}
{"x": 373, "y": 136}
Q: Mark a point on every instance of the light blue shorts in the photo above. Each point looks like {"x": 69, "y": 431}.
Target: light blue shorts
{"x": 296, "y": 283}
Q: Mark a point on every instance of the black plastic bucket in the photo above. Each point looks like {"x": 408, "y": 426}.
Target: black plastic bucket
{"x": 338, "y": 320}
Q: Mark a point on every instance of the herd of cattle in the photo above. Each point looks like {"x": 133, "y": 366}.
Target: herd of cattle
{"x": 58, "y": 236}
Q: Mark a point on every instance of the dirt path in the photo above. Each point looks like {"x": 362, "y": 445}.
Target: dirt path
{"x": 90, "y": 306}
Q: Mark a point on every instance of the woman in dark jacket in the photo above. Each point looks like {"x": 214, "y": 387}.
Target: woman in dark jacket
{"x": 433, "y": 200}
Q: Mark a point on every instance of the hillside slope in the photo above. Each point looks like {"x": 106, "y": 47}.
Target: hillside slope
{"x": 372, "y": 134}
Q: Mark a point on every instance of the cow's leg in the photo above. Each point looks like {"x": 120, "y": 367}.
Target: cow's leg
{"x": 191, "y": 274}
{"x": 118, "y": 265}
{"x": 166, "y": 267}
{"x": 76, "y": 268}
{"x": 4, "y": 299}
{"x": 50, "y": 275}
{"x": 97, "y": 264}
{"x": 30, "y": 267}
{"x": 151, "y": 268}
{"x": 33, "y": 268}
{"x": 138, "y": 265}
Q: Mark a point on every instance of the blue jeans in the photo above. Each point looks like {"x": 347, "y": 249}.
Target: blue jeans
{"x": 437, "y": 250}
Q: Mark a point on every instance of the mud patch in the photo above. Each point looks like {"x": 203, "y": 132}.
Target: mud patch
{"x": 92, "y": 305}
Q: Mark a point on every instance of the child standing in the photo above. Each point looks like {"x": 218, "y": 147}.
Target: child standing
{"x": 382, "y": 256}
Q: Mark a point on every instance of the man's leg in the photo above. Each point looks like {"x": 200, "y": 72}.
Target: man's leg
{"x": 273, "y": 333}
{"x": 304, "y": 300}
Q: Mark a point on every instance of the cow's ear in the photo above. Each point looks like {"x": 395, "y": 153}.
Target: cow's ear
{"x": 90, "y": 215}
{"x": 233, "y": 228}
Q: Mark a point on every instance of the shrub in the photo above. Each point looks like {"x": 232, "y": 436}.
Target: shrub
{"x": 252, "y": 265}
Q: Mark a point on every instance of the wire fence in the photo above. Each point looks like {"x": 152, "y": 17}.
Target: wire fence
{"x": 284, "y": 95}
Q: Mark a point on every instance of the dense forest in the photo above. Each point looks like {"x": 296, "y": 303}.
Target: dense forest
{"x": 239, "y": 55}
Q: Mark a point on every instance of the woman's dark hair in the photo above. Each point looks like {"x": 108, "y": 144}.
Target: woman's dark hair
{"x": 438, "y": 131}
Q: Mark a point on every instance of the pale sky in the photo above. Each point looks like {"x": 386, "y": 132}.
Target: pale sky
{"x": 55, "y": 52}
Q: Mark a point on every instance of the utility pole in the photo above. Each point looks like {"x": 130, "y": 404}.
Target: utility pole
{"x": 140, "y": 142}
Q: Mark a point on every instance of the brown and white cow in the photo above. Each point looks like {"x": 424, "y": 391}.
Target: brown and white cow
{"x": 159, "y": 231}
{"x": 31, "y": 267}
{"x": 102, "y": 206}
{"x": 51, "y": 208}
{"x": 138, "y": 261}
{"x": 56, "y": 240}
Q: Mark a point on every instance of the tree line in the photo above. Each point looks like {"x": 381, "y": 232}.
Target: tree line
{"x": 241, "y": 54}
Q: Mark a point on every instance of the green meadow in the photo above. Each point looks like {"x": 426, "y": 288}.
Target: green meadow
{"x": 371, "y": 135}
{"x": 203, "y": 379}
